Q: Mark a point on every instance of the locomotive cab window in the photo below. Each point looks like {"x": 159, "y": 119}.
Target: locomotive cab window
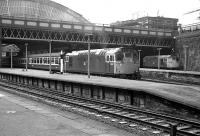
{"x": 119, "y": 57}
{"x": 111, "y": 58}
{"x": 107, "y": 58}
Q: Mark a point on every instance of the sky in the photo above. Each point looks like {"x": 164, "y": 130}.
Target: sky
{"x": 109, "y": 11}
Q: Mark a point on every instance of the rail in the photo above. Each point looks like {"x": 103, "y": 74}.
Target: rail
{"x": 125, "y": 115}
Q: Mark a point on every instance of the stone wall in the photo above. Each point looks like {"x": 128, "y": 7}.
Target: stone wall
{"x": 192, "y": 41}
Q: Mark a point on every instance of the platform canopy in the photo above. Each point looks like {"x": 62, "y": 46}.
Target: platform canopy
{"x": 39, "y": 9}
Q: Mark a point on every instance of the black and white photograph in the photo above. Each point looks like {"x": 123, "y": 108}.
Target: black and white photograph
{"x": 100, "y": 68}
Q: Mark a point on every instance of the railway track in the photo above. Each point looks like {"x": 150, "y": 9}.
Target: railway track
{"x": 132, "y": 118}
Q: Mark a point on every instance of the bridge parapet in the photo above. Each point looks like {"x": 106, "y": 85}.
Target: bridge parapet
{"x": 30, "y": 29}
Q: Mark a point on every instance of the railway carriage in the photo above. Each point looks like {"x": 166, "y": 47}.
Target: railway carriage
{"x": 41, "y": 61}
{"x": 116, "y": 62}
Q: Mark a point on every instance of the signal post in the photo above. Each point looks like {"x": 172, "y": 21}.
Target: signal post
{"x": 0, "y": 46}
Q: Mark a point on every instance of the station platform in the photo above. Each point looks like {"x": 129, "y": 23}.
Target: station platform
{"x": 188, "y": 95}
{"x": 24, "y": 117}
{"x": 191, "y": 77}
{"x": 196, "y": 73}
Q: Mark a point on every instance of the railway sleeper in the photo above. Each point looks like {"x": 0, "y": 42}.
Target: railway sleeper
{"x": 161, "y": 123}
{"x": 183, "y": 127}
{"x": 195, "y": 131}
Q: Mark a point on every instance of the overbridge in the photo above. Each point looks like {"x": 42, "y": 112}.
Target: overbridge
{"x": 16, "y": 28}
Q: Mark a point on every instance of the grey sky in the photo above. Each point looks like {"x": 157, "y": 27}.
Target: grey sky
{"x": 108, "y": 11}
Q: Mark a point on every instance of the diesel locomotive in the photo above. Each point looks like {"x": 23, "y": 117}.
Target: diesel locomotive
{"x": 119, "y": 62}
{"x": 166, "y": 62}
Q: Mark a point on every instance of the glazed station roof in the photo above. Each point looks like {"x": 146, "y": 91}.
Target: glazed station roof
{"x": 39, "y": 9}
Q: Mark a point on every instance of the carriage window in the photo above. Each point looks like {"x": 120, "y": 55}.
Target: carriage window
{"x": 52, "y": 60}
{"x": 40, "y": 60}
{"x": 162, "y": 61}
{"x": 119, "y": 57}
{"x": 30, "y": 60}
{"x": 56, "y": 60}
{"x": 34, "y": 60}
{"x": 45, "y": 60}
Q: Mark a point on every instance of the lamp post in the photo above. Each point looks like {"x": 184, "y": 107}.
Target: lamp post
{"x": 159, "y": 57}
{"x": 11, "y": 58}
{"x": 185, "y": 53}
{"x": 26, "y": 44}
{"x": 61, "y": 61}
{"x": 89, "y": 54}
{"x": 139, "y": 56}
{"x": 49, "y": 57}
{"x": 0, "y": 54}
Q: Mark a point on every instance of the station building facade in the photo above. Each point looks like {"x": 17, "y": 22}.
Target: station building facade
{"x": 150, "y": 22}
